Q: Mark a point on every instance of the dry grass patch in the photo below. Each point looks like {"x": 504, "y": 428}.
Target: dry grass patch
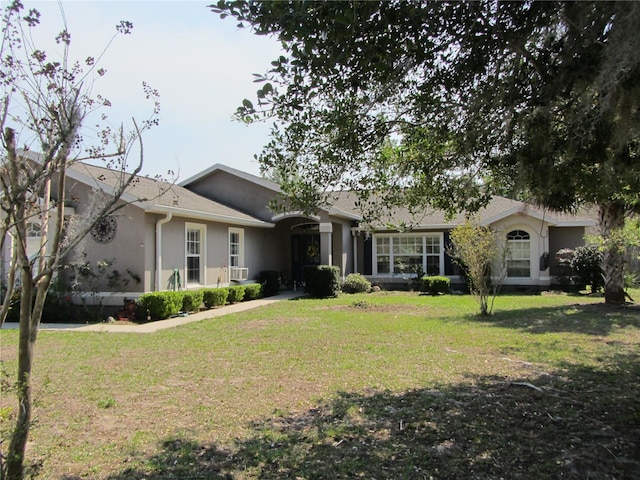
{"x": 404, "y": 387}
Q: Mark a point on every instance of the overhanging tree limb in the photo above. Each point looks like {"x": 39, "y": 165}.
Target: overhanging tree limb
{"x": 521, "y": 91}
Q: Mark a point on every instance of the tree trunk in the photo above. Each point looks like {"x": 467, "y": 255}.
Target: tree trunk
{"x": 612, "y": 218}
{"x": 18, "y": 445}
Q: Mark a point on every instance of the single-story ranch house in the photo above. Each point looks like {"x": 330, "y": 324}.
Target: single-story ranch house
{"x": 215, "y": 229}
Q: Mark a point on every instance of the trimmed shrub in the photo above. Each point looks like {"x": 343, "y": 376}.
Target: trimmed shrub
{"x": 160, "y": 305}
{"x": 322, "y": 281}
{"x": 435, "y": 285}
{"x": 214, "y": 297}
{"x": 236, "y": 293}
{"x": 252, "y": 291}
{"x": 192, "y": 300}
{"x": 270, "y": 280}
{"x": 356, "y": 283}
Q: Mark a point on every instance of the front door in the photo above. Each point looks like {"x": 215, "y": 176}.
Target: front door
{"x": 305, "y": 251}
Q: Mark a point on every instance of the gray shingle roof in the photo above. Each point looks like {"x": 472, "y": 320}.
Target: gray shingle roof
{"x": 498, "y": 208}
{"x": 161, "y": 196}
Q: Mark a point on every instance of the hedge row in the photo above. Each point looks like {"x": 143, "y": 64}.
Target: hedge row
{"x": 323, "y": 281}
{"x": 161, "y": 305}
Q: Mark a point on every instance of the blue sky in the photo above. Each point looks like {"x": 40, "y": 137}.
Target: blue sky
{"x": 201, "y": 65}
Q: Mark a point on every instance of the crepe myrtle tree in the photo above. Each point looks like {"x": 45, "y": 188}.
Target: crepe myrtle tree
{"x": 482, "y": 255}
{"x": 44, "y": 105}
{"x": 536, "y": 99}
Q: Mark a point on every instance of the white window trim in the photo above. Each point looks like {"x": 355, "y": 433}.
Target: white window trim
{"x": 531, "y": 256}
{"x": 423, "y": 235}
{"x": 240, "y": 232}
{"x": 203, "y": 252}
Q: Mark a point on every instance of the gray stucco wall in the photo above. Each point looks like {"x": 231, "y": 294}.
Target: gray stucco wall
{"x": 125, "y": 253}
{"x": 342, "y": 247}
{"x": 565, "y": 237}
{"x": 236, "y": 192}
{"x": 264, "y": 250}
{"x": 260, "y": 251}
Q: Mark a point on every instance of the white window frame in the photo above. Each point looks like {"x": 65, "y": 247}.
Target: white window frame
{"x": 390, "y": 238}
{"x": 34, "y": 238}
{"x": 34, "y": 230}
{"x": 516, "y": 244}
{"x": 236, "y": 259}
{"x": 201, "y": 255}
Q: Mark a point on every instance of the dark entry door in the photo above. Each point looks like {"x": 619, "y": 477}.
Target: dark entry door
{"x": 305, "y": 251}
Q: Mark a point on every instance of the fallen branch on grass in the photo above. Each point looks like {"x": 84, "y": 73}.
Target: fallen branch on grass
{"x": 524, "y": 384}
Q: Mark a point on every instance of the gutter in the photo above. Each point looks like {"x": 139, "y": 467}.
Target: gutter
{"x": 210, "y": 217}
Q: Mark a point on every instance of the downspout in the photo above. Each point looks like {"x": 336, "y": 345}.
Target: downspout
{"x": 159, "y": 224}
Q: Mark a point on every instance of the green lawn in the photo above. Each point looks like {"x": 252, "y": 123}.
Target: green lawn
{"x": 371, "y": 386}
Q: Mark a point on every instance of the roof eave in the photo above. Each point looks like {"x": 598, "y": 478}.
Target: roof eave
{"x": 336, "y": 212}
{"x": 92, "y": 182}
{"x": 576, "y": 223}
{"x": 520, "y": 210}
{"x": 206, "y": 216}
{"x": 232, "y": 171}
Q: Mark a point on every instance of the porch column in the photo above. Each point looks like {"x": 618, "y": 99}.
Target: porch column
{"x": 326, "y": 246}
{"x": 354, "y": 243}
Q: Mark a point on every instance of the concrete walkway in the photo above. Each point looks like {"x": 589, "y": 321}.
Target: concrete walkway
{"x": 151, "y": 327}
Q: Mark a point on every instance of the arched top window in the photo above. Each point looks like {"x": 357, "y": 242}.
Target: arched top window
{"x": 34, "y": 230}
{"x": 519, "y": 260}
{"x": 518, "y": 235}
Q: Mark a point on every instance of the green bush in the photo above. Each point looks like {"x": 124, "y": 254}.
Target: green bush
{"x": 192, "y": 300}
{"x": 564, "y": 271}
{"x": 58, "y": 307}
{"x": 236, "y": 293}
{"x": 435, "y": 285}
{"x": 160, "y": 305}
{"x": 322, "y": 281}
{"x": 270, "y": 280}
{"x": 252, "y": 291}
{"x": 356, "y": 283}
{"x": 586, "y": 265}
{"x": 215, "y": 297}
{"x": 13, "y": 315}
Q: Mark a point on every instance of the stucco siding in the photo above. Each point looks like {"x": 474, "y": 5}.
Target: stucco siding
{"x": 149, "y": 278}
{"x": 264, "y": 250}
{"x": 171, "y": 254}
{"x": 565, "y": 237}
{"x": 237, "y": 192}
{"x": 539, "y": 245}
{"x": 342, "y": 247}
{"x": 217, "y": 255}
{"x": 124, "y": 256}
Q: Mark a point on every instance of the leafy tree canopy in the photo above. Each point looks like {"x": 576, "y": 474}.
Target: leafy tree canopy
{"x": 449, "y": 102}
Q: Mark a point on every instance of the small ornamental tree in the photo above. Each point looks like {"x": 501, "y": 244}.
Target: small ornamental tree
{"x": 480, "y": 253}
{"x": 45, "y": 103}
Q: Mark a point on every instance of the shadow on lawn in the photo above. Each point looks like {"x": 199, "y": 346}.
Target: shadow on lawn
{"x": 585, "y": 318}
{"x": 585, "y": 424}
